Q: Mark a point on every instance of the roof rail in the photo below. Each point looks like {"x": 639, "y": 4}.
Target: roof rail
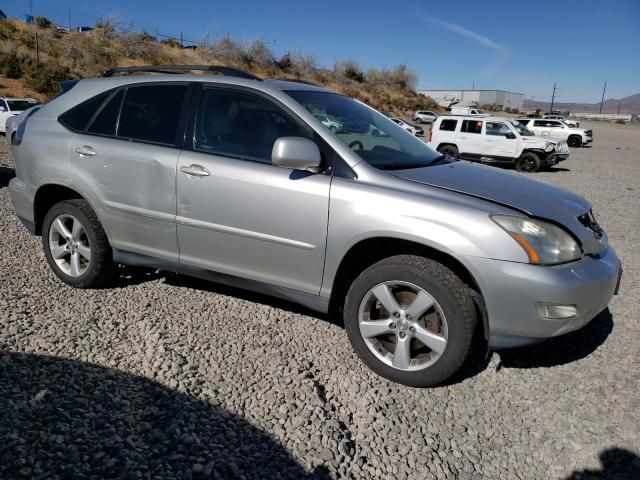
{"x": 227, "y": 71}
{"x": 296, "y": 80}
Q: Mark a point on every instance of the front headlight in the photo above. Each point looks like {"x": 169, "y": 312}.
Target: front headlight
{"x": 544, "y": 242}
{"x": 549, "y": 147}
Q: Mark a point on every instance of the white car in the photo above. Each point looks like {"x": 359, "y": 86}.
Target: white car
{"x": 413, "y": 129}
{"x": 10, "y": 107}
{"x": 571, "y": 123}
{"x": 575, "y": 137}
{"x": 495, "y": 140}
{"x": 424, "y": 116}
{"x": 471, "y": 111}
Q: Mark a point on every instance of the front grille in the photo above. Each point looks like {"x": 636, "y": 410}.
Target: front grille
{"x": 589, "y": 221}
{"x": 562, "y": 147}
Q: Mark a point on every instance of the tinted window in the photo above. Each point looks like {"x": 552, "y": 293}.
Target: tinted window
{"x": 523, "y": 121}
{"x": 3, "y": 104}
{"x": 105, "y": 122}
{"x": 497, "y": 128}
{"x": 78, "y": 117}
{"x": 241, "y": 124}
{"x": 150, "y": 113}
{"x": 540, "y": 123}
{"x": 448, "y": 125}
{"x": 471, "y": 126}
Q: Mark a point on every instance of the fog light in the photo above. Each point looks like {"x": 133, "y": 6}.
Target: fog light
{"x": 554, "y": 311}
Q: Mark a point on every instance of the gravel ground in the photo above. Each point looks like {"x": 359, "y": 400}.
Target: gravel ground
{"x": 164, "y": 376}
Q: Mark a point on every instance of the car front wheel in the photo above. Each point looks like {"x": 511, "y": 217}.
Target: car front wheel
{"x": 411, "y": 320}
{"x": 76, "y": 246}
{"x": 574, "y": 141}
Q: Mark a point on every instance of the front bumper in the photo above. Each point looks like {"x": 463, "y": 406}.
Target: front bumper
{"x": 555, "y": 158}
{"x": 511, "y": 290}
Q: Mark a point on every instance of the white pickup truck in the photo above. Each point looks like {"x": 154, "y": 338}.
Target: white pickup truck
{"x": 495, "y": 140}
{"x": 544, "y": 127}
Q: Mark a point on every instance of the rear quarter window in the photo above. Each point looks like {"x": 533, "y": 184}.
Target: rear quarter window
{"x": 448, "y": 125}
{"x": 79, "y": 116}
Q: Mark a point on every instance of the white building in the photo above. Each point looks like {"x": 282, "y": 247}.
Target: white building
{"x": 468, "y": 98}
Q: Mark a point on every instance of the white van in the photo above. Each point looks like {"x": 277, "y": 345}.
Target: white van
{"x": 470, "y": 111}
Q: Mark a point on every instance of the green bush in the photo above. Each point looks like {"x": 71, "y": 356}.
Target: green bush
{"x": 10, "y": 65}
{"x": 46, "y": 78}
{"x": 42, "y": 22}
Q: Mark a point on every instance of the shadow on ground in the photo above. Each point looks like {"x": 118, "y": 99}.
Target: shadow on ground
{"x": 617, "y": 464}
{"x": 6, "y": 174}
{"x": 563, "y": 349}
{"x": 64, "y": 419}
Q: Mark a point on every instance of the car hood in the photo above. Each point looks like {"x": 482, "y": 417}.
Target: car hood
{"x": 533, "y": 197}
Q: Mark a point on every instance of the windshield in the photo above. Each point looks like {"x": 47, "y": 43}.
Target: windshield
{"x": 521, "y": 129}
{"x": 374, "y": 137}
{"x": 20, "y": 105}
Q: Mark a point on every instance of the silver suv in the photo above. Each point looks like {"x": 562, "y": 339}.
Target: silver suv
{"x": 235, "y": 179}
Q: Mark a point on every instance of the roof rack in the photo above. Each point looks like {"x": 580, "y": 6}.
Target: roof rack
{"x": 227, "y": 71}
{"x": 297, "y": 81}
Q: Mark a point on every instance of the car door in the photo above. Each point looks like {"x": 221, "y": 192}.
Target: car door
{"x": 557, "y": 129}
{"x": 540, "y": 127}
{"x": 237, "y": 213}
{"x": 470, "y": 141}
{"x": 125, "y": 162}
{"x": 497, "y": 145}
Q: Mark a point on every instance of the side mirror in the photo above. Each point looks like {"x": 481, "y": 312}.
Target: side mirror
{"x": 297, "y": 153}
{"x": 511, "y": 135}
{"x": 2, "y": 109}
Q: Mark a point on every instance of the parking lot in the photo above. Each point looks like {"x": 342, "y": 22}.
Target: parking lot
{"x": 161, "y": 375}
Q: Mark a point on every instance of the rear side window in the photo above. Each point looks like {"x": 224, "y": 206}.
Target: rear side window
{"x": 448, "y": 125}
{"x": 471, "y": 126}
{"x": 79, "y": 116}
{"x": 105, "y": 121}
{"x": 150, "y": 113}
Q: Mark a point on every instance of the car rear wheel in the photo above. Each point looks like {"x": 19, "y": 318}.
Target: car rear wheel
{"x": 411, "y": 320}
{"x": 75, "y": 245}
{"x": 528, "y": 162}
{"x": 450, "y": 150}
{"x": 574, "y": 141}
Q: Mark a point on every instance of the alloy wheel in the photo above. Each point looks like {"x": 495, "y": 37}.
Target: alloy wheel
{"x": 69, "y": 245}
{"x": 403, "y": 325}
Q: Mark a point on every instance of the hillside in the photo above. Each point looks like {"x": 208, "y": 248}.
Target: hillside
{"x": 64, "y": 55}
{"x": 630, "y": 104}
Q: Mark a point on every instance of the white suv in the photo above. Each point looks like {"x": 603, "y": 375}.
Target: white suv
{"x": 544, "y": 127}
{"x": 495, "y": 140}
{"x": 10, "y": 107}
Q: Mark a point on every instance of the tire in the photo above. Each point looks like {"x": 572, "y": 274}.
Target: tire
{"x": 528, "y": 162}
{"x": 61, "y": 244}
{"x": 452, "y": 318}
{"x": 450, "y": 150}
{"x": 574, "y": 141}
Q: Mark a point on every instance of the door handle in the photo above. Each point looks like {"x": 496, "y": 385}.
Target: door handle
{"x": 195, "y": 170}
{"x": 85, "y": 151}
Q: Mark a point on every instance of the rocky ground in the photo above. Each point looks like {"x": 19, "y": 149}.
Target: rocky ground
{"x": 162, "y": 376}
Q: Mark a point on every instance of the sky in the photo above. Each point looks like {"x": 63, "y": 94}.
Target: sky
{"x": 519, "y": 46}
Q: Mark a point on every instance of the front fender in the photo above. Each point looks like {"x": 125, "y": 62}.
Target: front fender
{"x": 452, "y": 223}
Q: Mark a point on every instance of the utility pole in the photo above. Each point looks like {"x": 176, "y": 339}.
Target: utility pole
{"x": 619, "y": 106}
{"x": 602, "y": 101}
{"x": 473, "y": 85}
{"x": 69, "y": 19}
{"x": 181, "y": 40}
{"x": 31, "y": 9}
{"x": 553, "y": 97}
{"x": 37, "y": 50}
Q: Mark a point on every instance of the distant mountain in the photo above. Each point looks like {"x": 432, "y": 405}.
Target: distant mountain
{"x": 630, "y": 104}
